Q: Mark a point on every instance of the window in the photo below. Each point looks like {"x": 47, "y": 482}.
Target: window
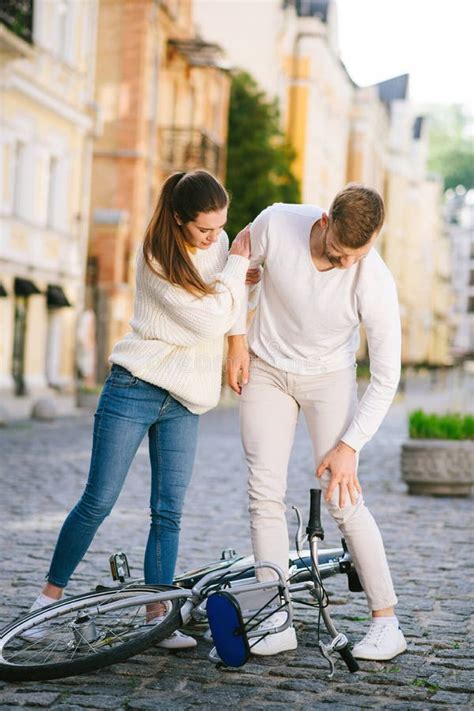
{"x": 471, "y": 277}
{"x": 19, "y": 175}
{"x": 52, "y": 194}
{"x": 470, "y": 305}
{"x": 64, "y": 29}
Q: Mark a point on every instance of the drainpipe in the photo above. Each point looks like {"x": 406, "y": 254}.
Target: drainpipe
{"x": 84, "y": 222}
{"x": 294, "y": 75}
{"x": 87, "y": 156}
{"x": 153, "y": 127}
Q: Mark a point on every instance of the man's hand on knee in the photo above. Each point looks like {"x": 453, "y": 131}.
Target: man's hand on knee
{"x": 342, "y": 464}
{"x": 237, "y": 363}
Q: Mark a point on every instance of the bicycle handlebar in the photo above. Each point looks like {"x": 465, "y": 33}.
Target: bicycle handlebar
{"x": 346, "y": 655}
{"x": 314, "y": 527}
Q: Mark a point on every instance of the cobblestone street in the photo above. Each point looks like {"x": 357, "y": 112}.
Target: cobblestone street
{"x": 428, "y": 540}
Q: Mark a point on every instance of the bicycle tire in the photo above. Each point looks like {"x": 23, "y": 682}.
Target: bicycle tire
{"x": 149, "y": 635}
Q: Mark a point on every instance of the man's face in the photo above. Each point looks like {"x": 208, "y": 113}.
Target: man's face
{"x": 343, "y": 257}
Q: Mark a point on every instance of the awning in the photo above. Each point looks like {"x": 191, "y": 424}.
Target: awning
{"x": 25, "y": 287}
{"x": 55, "y": 297}
{"x": 2, "y": 290}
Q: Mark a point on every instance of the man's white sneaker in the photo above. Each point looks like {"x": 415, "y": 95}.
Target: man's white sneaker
{"x": 277, "y": 642}
{"x": 381, "y": 643}
{"x": 176, "y": 640}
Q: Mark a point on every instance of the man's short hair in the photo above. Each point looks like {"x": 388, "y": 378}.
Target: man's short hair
{"x": 356, "y": 213}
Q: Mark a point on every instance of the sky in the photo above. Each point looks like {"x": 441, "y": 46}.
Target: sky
{"x": 429, "y": 39}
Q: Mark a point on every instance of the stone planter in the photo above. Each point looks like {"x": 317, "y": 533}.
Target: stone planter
{"x": 87, "y": 399}
{"x": 439, "y": 467}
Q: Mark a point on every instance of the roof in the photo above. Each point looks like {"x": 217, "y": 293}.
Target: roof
{"x": 313, "y": 8}
{"x": 393, "y": 89}
{"x": 200, "y": 53}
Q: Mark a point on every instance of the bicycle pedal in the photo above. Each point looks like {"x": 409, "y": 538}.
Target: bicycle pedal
{"x": 119, "y": 566}
{"x": 102, "y": 587}
{"x": 354, "y": 581}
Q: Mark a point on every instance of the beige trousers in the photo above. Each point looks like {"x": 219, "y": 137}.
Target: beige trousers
{"x": 269, "y": 409}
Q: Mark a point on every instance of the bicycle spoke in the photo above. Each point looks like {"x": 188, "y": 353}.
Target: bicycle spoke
{"x": 54, "y": 648}
{"x": 114, "y": 628}
{"x": 62, "y": 640}
{"x": 33, "y": 648}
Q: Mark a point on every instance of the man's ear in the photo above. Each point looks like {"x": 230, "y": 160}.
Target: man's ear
{"x": 324, "y": 219}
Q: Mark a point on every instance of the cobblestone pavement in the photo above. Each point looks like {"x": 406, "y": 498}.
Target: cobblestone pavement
{"x": 43, "y": 469}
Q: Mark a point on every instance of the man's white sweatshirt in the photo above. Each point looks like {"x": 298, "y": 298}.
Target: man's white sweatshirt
{"x": 307, "y": 321}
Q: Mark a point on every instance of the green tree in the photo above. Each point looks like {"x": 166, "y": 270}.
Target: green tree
{"x": 259, "y": 158}
{"x": 451, "y": 146}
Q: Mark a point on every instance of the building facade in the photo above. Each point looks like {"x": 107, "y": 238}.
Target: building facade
{"x": 164, "y": 97}
{"x": 459, "y": 215}
{"x": 414, "y": 243}
{"x": 48, "y": 120}
{"x": 344, "y": 133}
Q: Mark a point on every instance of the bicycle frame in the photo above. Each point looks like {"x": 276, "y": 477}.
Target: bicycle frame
{"x": 236, "y": 581}
{"x": 255, "y": 599}
{"x": 229, "y": 593}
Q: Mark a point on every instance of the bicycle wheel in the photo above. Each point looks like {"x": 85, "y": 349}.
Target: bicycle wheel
{"x": 84, "y": 633}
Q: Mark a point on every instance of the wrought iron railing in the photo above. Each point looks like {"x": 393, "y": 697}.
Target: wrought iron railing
{"x": 17, "y": 15}
{"x": 188, "y": 148}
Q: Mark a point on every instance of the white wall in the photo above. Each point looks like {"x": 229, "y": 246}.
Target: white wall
{"x": 249, "y": 32}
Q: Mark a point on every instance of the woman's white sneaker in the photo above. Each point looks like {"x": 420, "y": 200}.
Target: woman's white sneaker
{"x": 277, "y": 642}
{"x": 35, "y": 634}
{"x": 176, "y": 640}
{"x": 382, "y": 642}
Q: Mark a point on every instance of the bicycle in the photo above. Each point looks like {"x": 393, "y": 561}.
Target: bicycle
{"x": 108, "y": 625}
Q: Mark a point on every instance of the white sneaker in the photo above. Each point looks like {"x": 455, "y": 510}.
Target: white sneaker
{"x": 381, "y": 643}
{"x": 277, "y": 642}
{"x": 176, "y": 640}
{"x": 41, "y": 631}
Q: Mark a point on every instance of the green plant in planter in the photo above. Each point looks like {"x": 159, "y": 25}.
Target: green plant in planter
{"x": 90, "y": 390}
{"x": 438, "y": 459}
{"x": 455, "y": 426}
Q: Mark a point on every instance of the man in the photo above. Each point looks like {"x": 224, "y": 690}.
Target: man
{"x": 321, "y": 279}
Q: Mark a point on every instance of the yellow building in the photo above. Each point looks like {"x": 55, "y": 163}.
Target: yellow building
{"x": 318, "y": 103}
{"x": 163, "y": 92}
{"x": 47, "y": 54}
{"x": 291, "y": 49}
{"x": 368, "y": 137}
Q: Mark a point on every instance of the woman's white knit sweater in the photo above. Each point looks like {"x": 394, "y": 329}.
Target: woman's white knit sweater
{"x": 177, "y": 339}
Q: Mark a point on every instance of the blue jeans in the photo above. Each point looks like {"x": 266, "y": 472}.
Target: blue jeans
{"x": 129, "y": 408}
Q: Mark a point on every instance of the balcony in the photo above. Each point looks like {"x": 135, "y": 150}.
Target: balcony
{"x": 16, "y": 28}
{"x": 189, "y": 148}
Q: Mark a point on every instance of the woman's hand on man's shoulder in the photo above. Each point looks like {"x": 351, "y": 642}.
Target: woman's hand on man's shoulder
{"x": 241, "y": 244}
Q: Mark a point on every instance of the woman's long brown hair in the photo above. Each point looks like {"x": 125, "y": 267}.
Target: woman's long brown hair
{"x": 184, "y": 195}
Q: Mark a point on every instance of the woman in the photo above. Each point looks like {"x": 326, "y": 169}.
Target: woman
{"x": 165, "y": 373}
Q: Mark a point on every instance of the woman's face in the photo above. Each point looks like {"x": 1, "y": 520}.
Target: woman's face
{"x": 205, "y": 229}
